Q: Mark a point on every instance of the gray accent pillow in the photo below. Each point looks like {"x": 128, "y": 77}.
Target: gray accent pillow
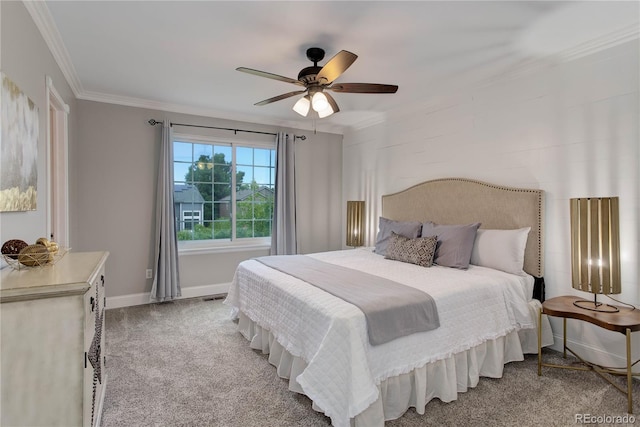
{"x": 455, "y": 243}
{"x": 417, "y": 251}
{"x": 410, "y": 229}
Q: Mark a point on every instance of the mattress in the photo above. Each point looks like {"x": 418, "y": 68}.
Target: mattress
{"x": 343, "y": 370}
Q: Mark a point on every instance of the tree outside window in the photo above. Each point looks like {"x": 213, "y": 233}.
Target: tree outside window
{"x": 209, "y": 170}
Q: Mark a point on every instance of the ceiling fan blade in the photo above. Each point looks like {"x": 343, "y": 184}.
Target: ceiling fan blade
{"x": 332, "y": 102}
{"x": 280, "y": 97}
{"x": 363, "y": 88}
{"x": 270, "y": 75}
{"x": 336, "y": 66}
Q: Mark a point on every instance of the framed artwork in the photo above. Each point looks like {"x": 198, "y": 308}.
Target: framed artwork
{"x": 20, "y": 129}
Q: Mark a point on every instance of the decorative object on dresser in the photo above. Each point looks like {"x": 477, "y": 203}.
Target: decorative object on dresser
{"x": 11, "y": 248}
{"x": 355, "y": 223}
{"x": 52, "y": 354}
{"x": 595, "y": 249}
{"x": 19, "y": 254}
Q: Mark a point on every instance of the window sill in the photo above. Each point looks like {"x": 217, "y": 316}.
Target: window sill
{"x": 228, "y": 248}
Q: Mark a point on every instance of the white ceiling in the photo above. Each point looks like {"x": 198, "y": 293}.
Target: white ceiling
{"x": 181, "y": 56}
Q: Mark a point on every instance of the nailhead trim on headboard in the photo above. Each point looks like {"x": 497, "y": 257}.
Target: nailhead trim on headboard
{"x": 402, "y": 210}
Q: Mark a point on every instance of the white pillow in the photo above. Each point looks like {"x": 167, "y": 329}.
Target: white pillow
{"x": 501, "y": 249}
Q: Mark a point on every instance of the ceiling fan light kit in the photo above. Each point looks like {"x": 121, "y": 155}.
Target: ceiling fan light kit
{"x": 317, "y": 79}
{"x": 302, "y": 106}
{"x": 319, "y": 101}
{"x": 327, "y": 111}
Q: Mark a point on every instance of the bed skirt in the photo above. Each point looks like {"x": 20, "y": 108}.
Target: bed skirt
{"x": 442, "y": 379}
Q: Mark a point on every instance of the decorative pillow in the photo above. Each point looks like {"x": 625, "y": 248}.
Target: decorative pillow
{"x": 417, "y": 251}
{"x": 410, "y": 229}
{"x": 501, "y": 249}
{"x": 455, "y": 243}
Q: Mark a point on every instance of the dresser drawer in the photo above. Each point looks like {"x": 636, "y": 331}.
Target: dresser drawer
{"x": 90, "y": 308}
{"x": 94, "y": 300}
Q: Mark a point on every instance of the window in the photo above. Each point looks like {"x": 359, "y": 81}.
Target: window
{"x": 188, "y": 219}
{"x": 222, "y": 191}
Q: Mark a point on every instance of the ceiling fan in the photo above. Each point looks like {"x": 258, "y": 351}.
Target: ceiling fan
{"x": 316, "y": 80}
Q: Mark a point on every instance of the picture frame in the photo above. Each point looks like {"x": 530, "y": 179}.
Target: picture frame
{"x": 20, "y": 131}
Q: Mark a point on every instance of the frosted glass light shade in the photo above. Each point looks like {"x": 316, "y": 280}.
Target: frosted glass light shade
{"x": 319, "y": 101}
{"x": 326, "y": 112}
{"x": 302, "y": 106}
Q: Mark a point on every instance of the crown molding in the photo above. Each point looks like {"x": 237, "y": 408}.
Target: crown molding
{"x": 607, "y": 41}
{"x": 205, "y": 112}
{"x": 531, "y": 65}
{"x": 44, "y": 21}
{"x": 371, "y": 121}
{"x": 46, "y": 25}
{"x": 598, "y": 44}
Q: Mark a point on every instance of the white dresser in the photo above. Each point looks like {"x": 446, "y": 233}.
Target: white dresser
{"x": 52, "y": 342}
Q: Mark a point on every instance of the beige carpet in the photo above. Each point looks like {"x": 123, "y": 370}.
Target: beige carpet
{"x": 184, "y": 364}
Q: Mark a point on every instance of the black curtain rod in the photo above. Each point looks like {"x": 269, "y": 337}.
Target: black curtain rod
{"x": 153, "y": 122}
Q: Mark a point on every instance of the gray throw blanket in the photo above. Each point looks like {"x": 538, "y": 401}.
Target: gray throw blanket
{"x": 392, "y": 310}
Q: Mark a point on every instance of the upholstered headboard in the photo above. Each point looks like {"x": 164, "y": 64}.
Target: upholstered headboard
{"x": 462, "y": 201}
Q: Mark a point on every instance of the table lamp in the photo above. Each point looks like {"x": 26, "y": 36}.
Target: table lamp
{"x": 595, "y": 249}
{"x": 355, "y": 223}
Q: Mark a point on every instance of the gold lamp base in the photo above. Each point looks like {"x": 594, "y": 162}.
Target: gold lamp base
{"x": 596, "y": 306}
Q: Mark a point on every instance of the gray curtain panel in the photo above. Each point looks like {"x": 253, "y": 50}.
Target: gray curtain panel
{"x": 283, "y": 231}
{"x": 166, "y": 282}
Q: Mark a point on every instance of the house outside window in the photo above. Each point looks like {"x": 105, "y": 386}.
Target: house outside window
{"x": 191, "y": 217}
{"x": 223, "y": 191}
{"x": 188, "y": 206}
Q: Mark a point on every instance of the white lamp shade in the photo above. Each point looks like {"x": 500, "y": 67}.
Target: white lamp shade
{"x": 319, "y": 101}
{"x": 326, "y": 112}
{"x": 302, "y": 106}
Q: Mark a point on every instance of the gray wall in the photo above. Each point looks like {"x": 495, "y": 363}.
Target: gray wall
{"x": 26, "y": 60}
{"x": 115, "y": 165}
{"x": 113, "y": 156}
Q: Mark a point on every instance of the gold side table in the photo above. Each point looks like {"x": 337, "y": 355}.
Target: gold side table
{"x": 625, "y": 321}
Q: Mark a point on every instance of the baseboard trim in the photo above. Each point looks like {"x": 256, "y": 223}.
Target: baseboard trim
{"x": 144, "y": 298}
{"x": 589, "y": 353}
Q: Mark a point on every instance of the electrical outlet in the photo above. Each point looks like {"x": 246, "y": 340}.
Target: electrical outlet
{"x": 149, "y": 273}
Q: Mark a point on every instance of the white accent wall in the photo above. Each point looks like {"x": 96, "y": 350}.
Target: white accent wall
{"x": 571, "y": 129}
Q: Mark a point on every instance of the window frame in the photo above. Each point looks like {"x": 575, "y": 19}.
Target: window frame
{"x": 195, "y": 247}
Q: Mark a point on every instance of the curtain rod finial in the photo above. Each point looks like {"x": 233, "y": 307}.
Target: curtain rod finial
{"x": 153, "y": 122}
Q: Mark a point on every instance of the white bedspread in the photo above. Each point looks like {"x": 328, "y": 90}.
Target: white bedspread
{"x": 343, "y": 369}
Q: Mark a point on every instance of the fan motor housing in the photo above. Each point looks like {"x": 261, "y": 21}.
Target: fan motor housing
{"x": 308, "y": 74}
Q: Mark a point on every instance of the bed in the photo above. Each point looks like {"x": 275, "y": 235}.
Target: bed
{"x": 486, "y": 316}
